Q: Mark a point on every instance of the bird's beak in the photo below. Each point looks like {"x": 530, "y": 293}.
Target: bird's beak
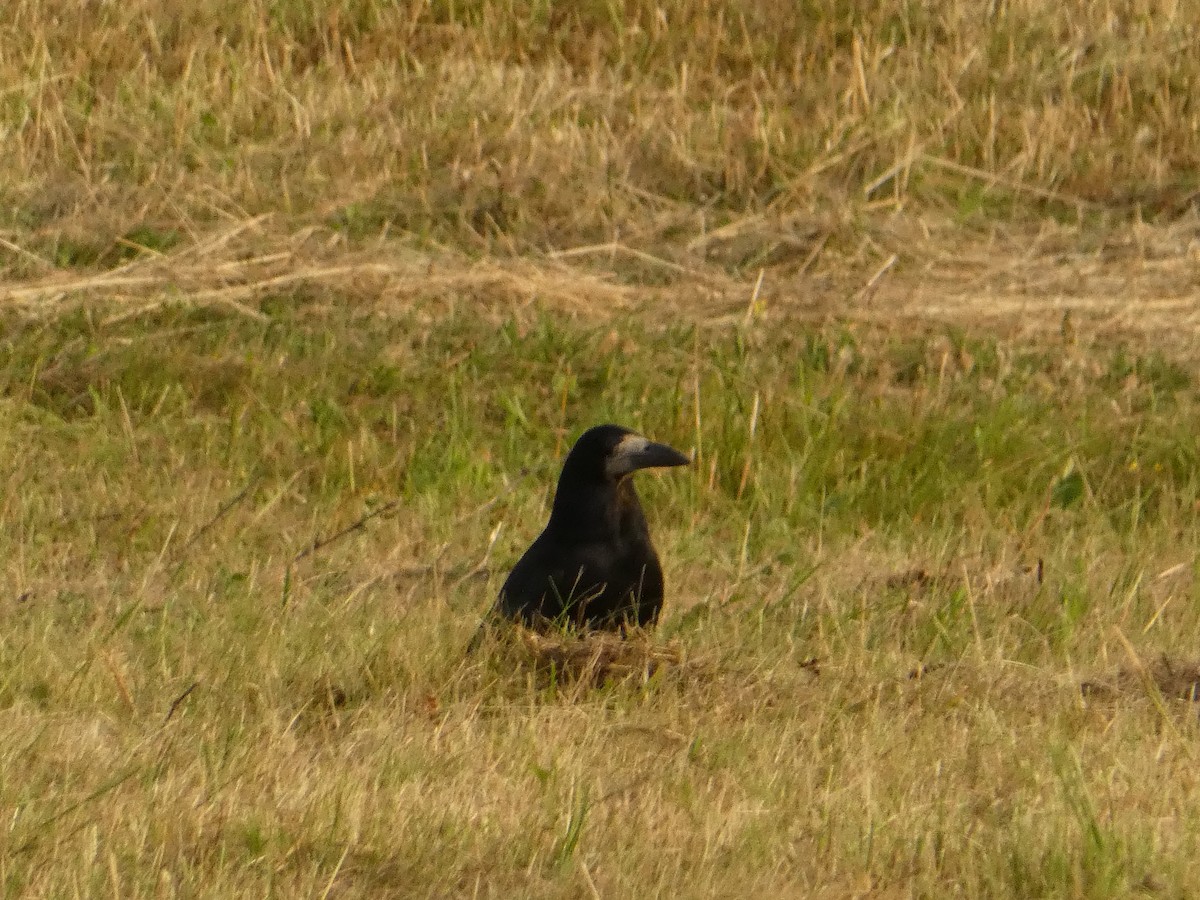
{"x": 636, "y": 452}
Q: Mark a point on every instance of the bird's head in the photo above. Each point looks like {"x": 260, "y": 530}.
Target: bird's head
{"x": 610, "y": 452}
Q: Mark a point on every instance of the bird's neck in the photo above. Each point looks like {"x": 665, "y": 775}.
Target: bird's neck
{"x": 608, "y": 512}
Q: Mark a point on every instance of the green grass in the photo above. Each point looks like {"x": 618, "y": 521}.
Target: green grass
{"x": 185, "y": 707}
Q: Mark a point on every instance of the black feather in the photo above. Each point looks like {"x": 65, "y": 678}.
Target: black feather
{"x": 594, "y": 565}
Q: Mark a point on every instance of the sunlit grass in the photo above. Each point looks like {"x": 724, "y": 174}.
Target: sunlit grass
{"x": 504, "y": 125}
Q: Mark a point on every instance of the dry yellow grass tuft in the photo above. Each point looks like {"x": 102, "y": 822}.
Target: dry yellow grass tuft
{"x": 594, "y": 658}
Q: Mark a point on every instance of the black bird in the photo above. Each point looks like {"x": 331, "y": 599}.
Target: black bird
{"x": 594, "y": 565}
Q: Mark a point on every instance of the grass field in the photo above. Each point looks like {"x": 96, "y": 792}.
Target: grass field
{"x": 302, "y": 309}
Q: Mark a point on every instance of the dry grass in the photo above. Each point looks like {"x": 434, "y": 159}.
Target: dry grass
{"x": 869, "y": 160}
{"x": 301, "y": 307}
{"x": 593, "y": 659}
{"x": 746, "y": 134}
